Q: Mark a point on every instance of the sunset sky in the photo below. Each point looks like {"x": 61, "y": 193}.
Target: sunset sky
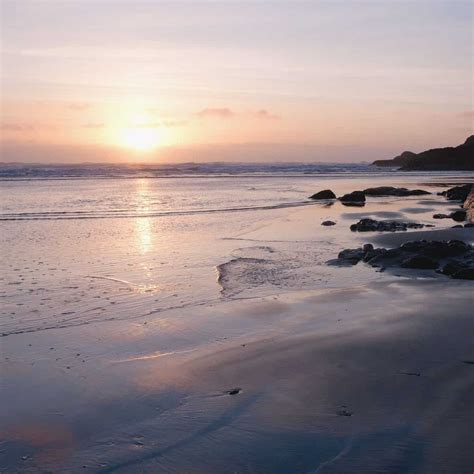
{"x": 247, "y": 81}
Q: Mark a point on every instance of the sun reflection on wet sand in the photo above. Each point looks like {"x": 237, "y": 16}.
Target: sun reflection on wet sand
{"x": 143, "y": 224}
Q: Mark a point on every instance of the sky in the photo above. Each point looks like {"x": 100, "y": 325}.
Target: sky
{"x": 153, "y": 81}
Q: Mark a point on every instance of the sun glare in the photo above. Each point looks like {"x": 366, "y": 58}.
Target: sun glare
{"x": 139, "y": 138}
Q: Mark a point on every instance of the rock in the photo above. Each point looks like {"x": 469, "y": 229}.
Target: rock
{"x": 354, "y": 197}
{"x": 328, "y": 223}
{"x": 325, "y": 194}
{"x": 351, "y": 255}
{"x": 458, "y": 226}
{"x": 451, "y": 268}
{"x": 456, "y": 258}
{"x": 469, "y": 224}
{"x": 234, "y": 391}
{"x": 464, "y": 274}
{"x": 457, "y": 193}
{"x": 391, "y": 191}
{"x": 440, "y": 216}
{"x": 421, "y": 262}
{"x": 344, "y": 413}
{"x": 371, "y": 225}
{"x": 436, "y": 248}
{"x": 458, "y": 216}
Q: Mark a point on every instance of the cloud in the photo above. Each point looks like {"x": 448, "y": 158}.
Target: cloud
{"x": 16, "y": 127}
{"x": 222, "y": 113}
{"x": 79, "y": 106}
{"x": 94, "y": 125}
{"x": 264, "y": 115}
{"x": 467, "y": 114}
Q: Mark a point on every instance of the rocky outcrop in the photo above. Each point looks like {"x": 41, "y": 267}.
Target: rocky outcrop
{"x": 391, "y": 191}
{"x": 396, "y": 162}
{"x": 371, "y": 225}
{"x": 452, "y": 258}
{"x": 325, "y": 194}
{"x": 437, "y": 159}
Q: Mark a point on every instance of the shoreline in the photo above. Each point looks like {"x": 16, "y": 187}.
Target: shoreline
{"x": 299, "y": 366}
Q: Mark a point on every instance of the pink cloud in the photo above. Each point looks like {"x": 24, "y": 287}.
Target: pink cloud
{"x": 469, "y": 114}
{"x": 223, "y": 113}
{"x": 264, "y": 115}
{"x": 16, "y": 127}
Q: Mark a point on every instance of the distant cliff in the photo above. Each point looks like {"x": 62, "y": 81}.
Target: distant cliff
{"x": 437, "y": 159}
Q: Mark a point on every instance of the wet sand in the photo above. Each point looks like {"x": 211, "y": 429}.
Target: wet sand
{"x": 346, "y": 370}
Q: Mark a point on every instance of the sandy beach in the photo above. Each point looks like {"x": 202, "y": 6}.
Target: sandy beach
{"x": 266, "y": 359}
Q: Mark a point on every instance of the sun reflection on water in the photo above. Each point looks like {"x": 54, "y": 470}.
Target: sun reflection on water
{"x": 143, "y": 224}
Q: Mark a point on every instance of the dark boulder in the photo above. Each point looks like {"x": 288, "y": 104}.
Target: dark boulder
{"x": 420, "y": 262}
{"x": 328, "y": 223}
{"x": 352, "y": 256}
{"x": 325, "y": 194}
{"x": 436, "y": 248}
{"x": 457, "y": 193}
{"x": 440, "y": 216}
{"x": 356, "y": 197}
{"x": 391, "y": 191}
{"x": 458, "y": 216}
{"x": 371, "y": 225}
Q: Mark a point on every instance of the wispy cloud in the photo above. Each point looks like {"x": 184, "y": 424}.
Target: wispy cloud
{"x": 17, "y": 127}
{"x": 264, "y": 115}
{"x": 78, "y": 106}
{"x": 223, "y": 113}
{"x": 467, "y": 114}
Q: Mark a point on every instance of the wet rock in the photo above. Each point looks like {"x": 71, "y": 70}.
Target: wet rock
{"x": 421, "y": 262}
{"x": 325, "y": 194}
{"x": 356, "y": 197}
{"x": 458, "y": 216}
{"x": 351, "y": 255}
{"x": 454, "y": 257}
{"x": 328, "y": 223}
{"x": 457, "y": 193}
{"x": 451, "y": 268}
{"x": 371, "y": 225}
{"x": 436, "y": 248}
{"x": 464, "y": 274}
{"x": 234, "y": 391}
{"x": 440, "y": 216}
{"x": 391, "y": 191}
{"x": 469, "y": 224}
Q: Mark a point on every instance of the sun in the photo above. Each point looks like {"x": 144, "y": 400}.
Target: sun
{"x": 140, "y": 138}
